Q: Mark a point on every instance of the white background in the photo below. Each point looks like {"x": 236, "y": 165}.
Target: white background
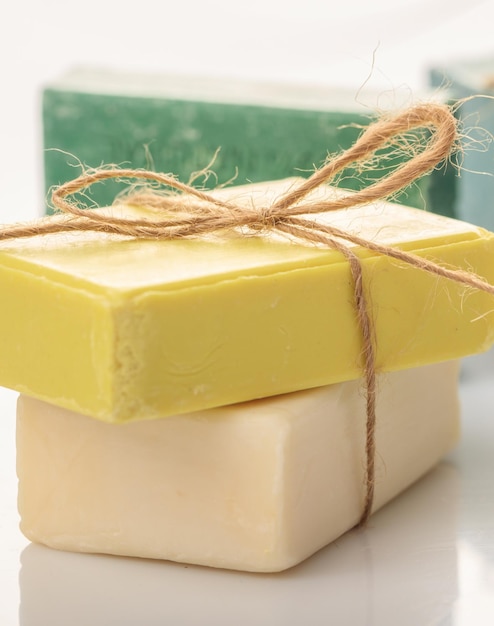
{"x": 429, "y": 557}
{"x": 311, "y": 41}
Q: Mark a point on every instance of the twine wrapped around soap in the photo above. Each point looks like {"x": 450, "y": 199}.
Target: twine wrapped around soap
{"x": 193, "y": 213}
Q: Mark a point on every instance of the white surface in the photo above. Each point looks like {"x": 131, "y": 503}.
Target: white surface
{"x": 428, "y": 558}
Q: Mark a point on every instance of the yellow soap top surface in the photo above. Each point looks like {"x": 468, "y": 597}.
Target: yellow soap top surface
{"x": 136, "y": 265}
{"x": 123, "y": 329}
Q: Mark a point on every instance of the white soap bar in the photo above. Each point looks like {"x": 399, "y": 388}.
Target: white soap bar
{"x": 258, "y": 486}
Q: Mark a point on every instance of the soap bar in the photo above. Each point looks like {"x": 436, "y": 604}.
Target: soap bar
{"x": 466, "y": 78}
{"x": 125, "y": 329}
{"x": 258, "y": 486}
{"x": 264, "y": 131}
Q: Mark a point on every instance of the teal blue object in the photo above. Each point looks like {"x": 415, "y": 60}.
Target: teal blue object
{"x": 176, "y": 125}
{"x": 474, "y": 201}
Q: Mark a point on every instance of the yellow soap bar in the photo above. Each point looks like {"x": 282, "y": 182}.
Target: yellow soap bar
{"x": 257, "y": 486}
{"x": 126, "y": 329}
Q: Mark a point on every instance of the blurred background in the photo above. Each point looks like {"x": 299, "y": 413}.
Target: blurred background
{"x": 381, "y": 45}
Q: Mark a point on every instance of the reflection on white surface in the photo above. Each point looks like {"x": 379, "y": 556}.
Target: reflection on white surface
{"x": 477, "y": 587}
{"x": 402, "y": 569}
{"x": 475, "y": 455}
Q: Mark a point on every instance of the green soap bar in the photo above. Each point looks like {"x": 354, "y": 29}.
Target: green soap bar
{"x": 266, "y": 132}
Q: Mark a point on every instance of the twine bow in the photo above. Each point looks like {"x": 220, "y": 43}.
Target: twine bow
{"x": 204, "y": 213}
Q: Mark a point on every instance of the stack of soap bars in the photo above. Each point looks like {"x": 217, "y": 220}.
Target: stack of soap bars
{"x": 201, "y": 400}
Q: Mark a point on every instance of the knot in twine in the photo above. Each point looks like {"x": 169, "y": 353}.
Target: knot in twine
{"x": 202, "y": 213}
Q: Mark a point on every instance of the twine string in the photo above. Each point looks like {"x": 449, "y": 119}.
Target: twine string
{"x": 189, "y": 212}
